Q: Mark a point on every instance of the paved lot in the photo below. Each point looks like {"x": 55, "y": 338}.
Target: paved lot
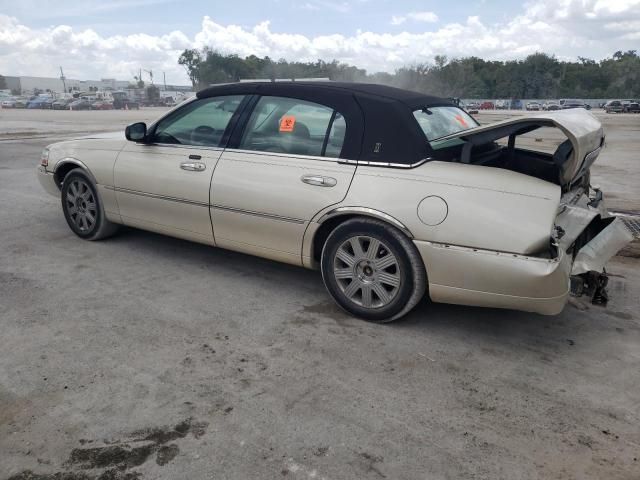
{"x": 153, "y": 358}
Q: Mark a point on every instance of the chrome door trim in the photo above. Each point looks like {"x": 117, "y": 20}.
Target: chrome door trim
{"x": 369, "y": 212}
{"x": 259, "y": 214}
{"x": 159, "y": 197}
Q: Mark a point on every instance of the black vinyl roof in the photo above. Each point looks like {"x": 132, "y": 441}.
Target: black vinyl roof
{"x": 380, "y": 122}
{"x": 409, "y": 98}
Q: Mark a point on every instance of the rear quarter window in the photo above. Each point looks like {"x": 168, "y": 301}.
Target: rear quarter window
{"x": 438, "y": 122}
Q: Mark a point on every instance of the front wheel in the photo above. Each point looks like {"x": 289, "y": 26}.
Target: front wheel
{"x": 372, "y": 270}
{"x": 83, "y": 208}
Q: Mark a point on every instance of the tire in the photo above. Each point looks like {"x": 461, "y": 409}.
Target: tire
{"x": 82, "y": 207}
{"x": 379, "y": 286}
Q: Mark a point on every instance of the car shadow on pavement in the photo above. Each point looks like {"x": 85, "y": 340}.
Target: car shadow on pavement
{"x": 579, "y": 320}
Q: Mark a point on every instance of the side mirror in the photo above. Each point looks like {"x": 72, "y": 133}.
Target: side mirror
{"x": 136, "y": 132}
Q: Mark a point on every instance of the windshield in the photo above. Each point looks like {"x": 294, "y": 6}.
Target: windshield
{"x": 438, "y": 122}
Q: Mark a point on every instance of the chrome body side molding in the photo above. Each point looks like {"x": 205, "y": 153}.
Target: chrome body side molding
{"x": 259, "y": 214}
{"x": 153, "y": 195}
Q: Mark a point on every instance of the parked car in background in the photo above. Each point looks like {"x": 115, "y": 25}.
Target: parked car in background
{"x": 169, "y": 101}
{"x": 21, "y": 102}
{"x": 614, "y": 106}
{"x": 551, "y": 105}
{"x": 80, "y": 104}
{"x": 42, "y": 102}
{"x": 121, "y": 102}
{"x": 8, "y": 103}
{"x": 101, "y": 105}
{"x": 631, "y": 106}
{"x": 502, "y": 104}
{"x": 533, "y": 106}
{"x": 515, "y": 104}
{"x": 62, "y": 104}
{"x": 471, "y": 107}
{"x": 309, "y": 173}
{"x": 487, "y": 106}
{"x": 566, "y": 104}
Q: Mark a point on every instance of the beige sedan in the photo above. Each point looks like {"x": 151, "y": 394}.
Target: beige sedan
{"x": 392, "y": 195}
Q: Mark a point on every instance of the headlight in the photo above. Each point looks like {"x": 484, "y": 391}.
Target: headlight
{"x": 44, "y": 157}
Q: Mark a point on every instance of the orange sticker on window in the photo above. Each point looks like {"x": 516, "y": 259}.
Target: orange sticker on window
{"x": 461, "y": 121}
{"x": 287, "y": 123}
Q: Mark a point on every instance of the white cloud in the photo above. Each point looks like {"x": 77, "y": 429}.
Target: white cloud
{"x": 427, "y": 17}
{"x": 566, "y": 28}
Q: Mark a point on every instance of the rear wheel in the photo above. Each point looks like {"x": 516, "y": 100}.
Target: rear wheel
{"x": 372, "y": 270}
{"x": 83, "y": 208}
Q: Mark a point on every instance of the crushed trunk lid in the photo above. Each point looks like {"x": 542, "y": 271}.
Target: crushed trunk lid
{"x": 584, "y": 133}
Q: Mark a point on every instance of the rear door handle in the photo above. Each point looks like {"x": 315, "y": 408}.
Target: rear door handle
{"x": 193, "y": 166}
{"x": 319, "y": 180}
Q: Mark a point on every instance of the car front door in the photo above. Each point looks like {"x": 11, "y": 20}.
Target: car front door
{"x": 163, "y": 184}
{"x": 284, "y": 170}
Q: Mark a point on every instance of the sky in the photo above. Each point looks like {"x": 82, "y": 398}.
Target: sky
{"x": 93, "y": 39}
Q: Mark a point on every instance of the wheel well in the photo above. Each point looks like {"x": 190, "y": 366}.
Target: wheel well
{"x": 330, "y": 224}
{"x": 325, "y": 230}
{"x": 62, "y": 171}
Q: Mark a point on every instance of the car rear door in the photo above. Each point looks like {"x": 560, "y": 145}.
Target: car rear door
{"x": 283, "y": 170}
{"x": 163, "y": 185}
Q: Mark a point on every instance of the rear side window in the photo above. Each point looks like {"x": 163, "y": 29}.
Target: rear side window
{"x": 289, "y": 125}
{"x": 201, "y": 122}
{"x": 437, "y": 122}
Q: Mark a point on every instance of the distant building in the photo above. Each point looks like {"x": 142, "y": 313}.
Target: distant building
{"x": 26, "y": 85}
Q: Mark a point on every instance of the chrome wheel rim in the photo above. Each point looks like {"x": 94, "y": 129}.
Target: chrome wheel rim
{"x": 81, "y": 205}
{"x": 367, "y": 272}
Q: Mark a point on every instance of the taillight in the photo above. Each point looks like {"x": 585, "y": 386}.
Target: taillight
{"x": 44, "y": 157}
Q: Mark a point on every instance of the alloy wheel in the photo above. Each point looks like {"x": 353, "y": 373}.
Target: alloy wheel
{"x": 367, "y": 272}
{"x": 81, "y": 205}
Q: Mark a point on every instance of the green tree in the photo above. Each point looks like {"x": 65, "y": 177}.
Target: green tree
{"x": 537, "y": 76}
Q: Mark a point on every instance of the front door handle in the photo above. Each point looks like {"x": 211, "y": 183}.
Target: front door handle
{"x": 319, "y": 180}
{"x": 193, "y": 166}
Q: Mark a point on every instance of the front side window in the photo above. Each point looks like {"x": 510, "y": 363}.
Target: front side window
{"x": 437, "y": 122}
{"x": 289, "y": 125}
{"x": 201, "y": 122}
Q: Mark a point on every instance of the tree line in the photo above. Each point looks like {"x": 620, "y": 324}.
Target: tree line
{"x": 537, "y": 76}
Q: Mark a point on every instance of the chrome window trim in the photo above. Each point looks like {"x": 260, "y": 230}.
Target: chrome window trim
{"x": 369, "y": 212}
{"x": 179, "y": 145}
{"x": 367, "y": 163}
{"x": 155, "y": 195}
{"x": 259, "y": 214}
{"x": 286, "y": 155}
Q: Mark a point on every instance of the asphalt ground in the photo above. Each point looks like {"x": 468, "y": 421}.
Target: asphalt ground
{"x": 147, "y": 357}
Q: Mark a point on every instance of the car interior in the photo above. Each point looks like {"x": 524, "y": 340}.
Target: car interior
{"x": 490, "y": 150}
{"x": 265, "y": 134}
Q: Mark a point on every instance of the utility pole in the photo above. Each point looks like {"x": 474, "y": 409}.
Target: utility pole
{"x": 150, "y": 72}
{"x": 164, "y": 79}
{"x": 63, "y": 78}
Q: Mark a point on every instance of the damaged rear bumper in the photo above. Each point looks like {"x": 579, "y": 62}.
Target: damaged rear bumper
{"x": 487, "y": 278}
{"x": 586, "y": 238}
